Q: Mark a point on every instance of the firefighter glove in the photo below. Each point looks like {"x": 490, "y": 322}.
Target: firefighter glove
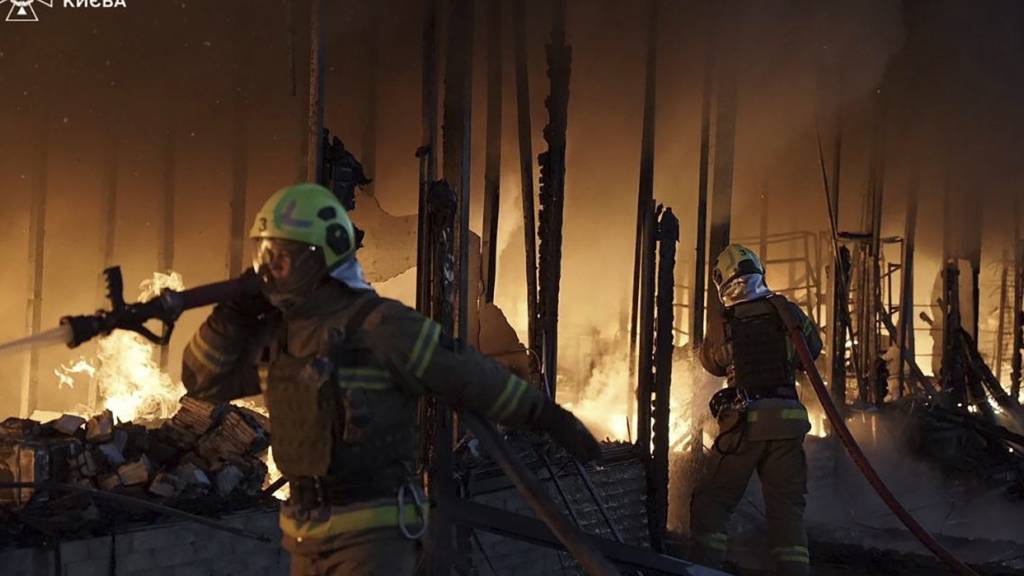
{"x": 568, "y": 431}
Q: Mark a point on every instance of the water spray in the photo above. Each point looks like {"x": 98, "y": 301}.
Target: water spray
{"x": 165, "y": 308}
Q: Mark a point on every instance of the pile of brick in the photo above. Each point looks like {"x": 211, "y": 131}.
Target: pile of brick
{"x": 204, "y": 450}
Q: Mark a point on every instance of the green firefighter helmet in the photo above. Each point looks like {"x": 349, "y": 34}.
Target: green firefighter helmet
{"x": 310, "y": 214}
{"x": 736, "y": 260}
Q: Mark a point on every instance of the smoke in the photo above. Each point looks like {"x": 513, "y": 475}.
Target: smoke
{"x": 945, "y": 505}
{"x": 950, "y": 72}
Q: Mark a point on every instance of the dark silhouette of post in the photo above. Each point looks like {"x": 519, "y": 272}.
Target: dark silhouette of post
{"x": 552, "y": 192}
{"x": 525, "y": 129}
{"x": 492, "y": 166}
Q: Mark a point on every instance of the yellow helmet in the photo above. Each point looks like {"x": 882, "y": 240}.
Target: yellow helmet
{"x": 301, "y": 235}
{"x": 308, "y": 213}
{"x": 735, "y": 260}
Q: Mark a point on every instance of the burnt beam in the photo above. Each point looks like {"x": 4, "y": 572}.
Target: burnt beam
{"x": 664, "y": 348}
{"x": 525, "y": 128}
{"x": 552, "y": 191}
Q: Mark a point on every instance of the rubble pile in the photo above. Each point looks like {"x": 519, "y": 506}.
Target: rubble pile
{"x": 204, "y": 451}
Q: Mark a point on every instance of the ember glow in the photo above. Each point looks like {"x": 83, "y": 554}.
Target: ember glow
{"x": 273, "y": 473}
{"x": 604, "y": 405}
{"x": 125, "y": 371}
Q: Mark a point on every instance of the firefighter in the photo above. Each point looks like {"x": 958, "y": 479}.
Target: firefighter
{"x": 341, "y": 370}
{"x": 761, "y": 420}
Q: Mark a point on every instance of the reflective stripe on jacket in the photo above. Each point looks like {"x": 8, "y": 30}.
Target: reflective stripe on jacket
{"x": 355, "y": 518}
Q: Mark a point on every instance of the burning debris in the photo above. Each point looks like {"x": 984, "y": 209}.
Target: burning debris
{"x": 208, "y": 452}
{"x": 125, "y": 376}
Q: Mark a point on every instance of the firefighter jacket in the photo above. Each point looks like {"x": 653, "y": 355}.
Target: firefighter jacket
{"x": 750, "y": 346}
{"x": 341, "y": 375}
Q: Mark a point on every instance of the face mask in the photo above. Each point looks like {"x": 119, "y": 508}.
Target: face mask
{"x": 743, "y": 289}
{"x": 289, "y": 271}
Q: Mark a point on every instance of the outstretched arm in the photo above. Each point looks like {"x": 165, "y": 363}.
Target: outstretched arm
{"x": 431, "y": 362}
{"x": 218, "y": 363}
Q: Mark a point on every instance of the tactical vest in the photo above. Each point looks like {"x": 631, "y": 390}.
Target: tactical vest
{"x": 759, "y": 349}
{"x": 335, "y": 410}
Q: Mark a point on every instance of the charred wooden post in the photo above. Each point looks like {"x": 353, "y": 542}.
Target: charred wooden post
{"x": 492, "y": 166}
{"x": 952, "y": 371}
{"x": 36, "y": 257}
{"x": 906, "y": 332}
{"x": 315, "y": 110}
{"x": 645, "y": 202}
{"x": 657, "y": 477}
{"x": 427, "y": 152}
{"x": 457, "y": 145}
{"x": 700, "y": 256}
{"x": 442, "y": 204}
{"x": 438, "y": 430}
{"x": 552, "y": 191}
{"x": 448, "y": 236}
{"x": 645, "y": 364}
{"x": 458, "y": 114}
{"x": 525, "y": 128}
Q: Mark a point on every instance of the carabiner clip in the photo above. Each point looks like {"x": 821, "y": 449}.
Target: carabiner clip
{"x": 420, "y": 502}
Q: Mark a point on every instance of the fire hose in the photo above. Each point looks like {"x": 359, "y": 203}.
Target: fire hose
{"x": 168, "y": 307}
{"x": 855, "y": 452}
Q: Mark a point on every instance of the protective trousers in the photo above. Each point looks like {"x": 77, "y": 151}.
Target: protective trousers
{"x": 782, "y": 468}
{"x": 375, "y": 554}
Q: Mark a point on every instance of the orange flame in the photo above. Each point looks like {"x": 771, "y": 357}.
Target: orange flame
{"x": 128, "y": 380}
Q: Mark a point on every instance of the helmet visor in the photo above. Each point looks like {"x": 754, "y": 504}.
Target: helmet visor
{"x": 288, "y": 269}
